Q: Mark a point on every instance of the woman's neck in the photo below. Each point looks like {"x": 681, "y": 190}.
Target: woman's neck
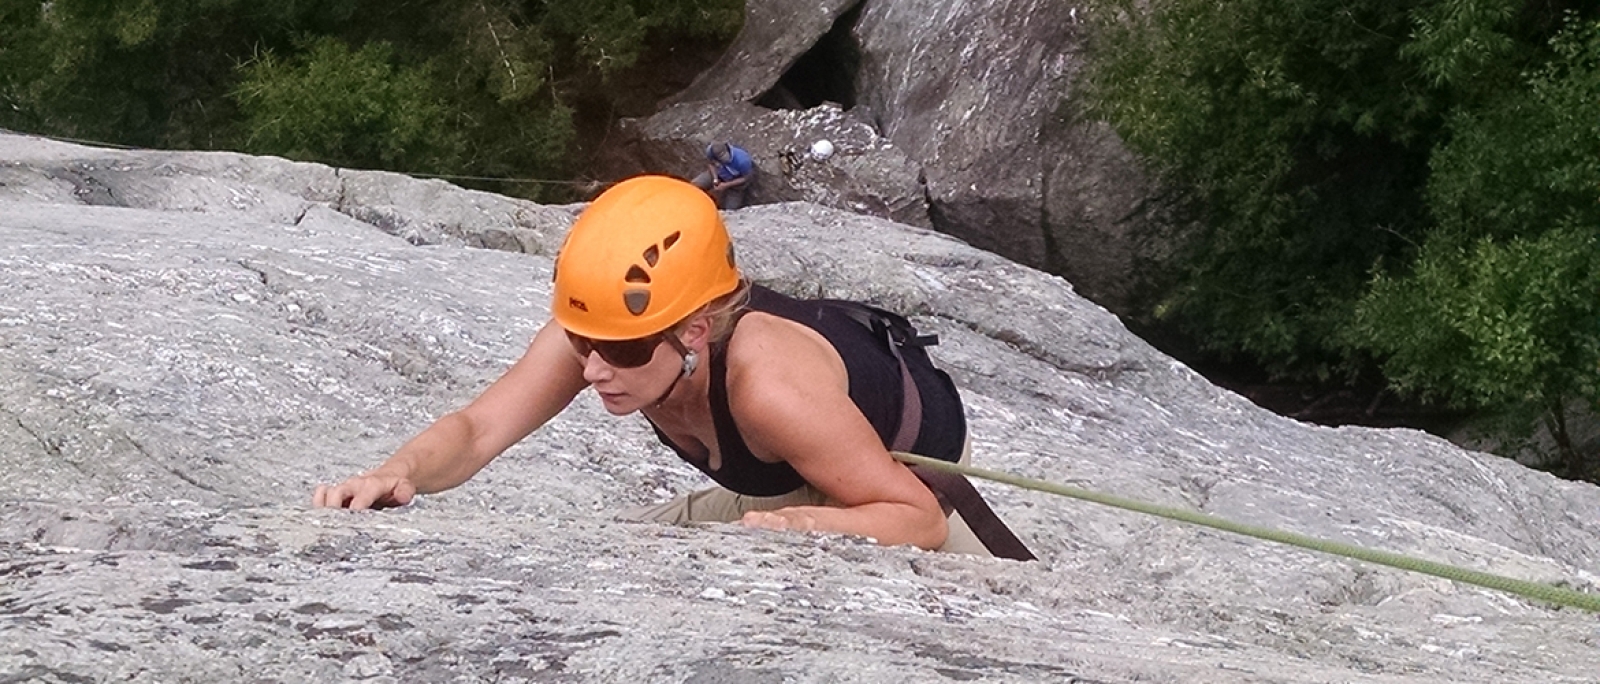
{"x": 685, "y": 404}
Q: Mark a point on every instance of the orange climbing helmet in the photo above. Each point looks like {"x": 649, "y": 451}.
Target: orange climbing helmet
{"x": 643, "y": 256}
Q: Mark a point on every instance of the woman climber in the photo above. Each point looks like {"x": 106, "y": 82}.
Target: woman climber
{"x": 791, "y": 406}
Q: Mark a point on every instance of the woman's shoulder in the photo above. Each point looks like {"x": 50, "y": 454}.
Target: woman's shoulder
{"x": 765, "y": 345}
{"x": 759, "y": 331}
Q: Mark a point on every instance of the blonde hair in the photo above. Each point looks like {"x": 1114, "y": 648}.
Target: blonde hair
{"x": 723, "y": 312}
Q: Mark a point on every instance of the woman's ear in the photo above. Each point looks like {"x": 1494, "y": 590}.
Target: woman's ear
{"x": 696, "y": 334}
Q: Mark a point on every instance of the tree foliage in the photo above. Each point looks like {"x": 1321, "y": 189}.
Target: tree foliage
{"x": 480, "y": 87}
{"x": 347, "y": 108}
{"x": 1301, "y": 138}
{"x": 1501, "y": 309}
{"x": 1410, "y": 185}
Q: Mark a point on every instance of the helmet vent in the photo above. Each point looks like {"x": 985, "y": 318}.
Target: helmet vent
{"x": 636, "y": 301}
{"x": 637, "y": 275}
{"x": 671, "y": 240}
{"x": 651, "y": 256}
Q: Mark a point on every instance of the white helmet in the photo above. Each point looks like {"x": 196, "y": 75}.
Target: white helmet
{"x": 821, "y": 150}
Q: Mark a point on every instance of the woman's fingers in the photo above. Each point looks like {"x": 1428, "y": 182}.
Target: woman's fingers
{"x": 364, "y": 491}
{"x": 781, "y": 519}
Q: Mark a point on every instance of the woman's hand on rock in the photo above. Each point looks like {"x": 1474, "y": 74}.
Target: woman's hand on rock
{"x": 368, "y": 490}
{"x": 781, "y": 519}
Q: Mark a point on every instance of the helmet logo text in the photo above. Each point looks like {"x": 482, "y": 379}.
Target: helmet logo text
{"x": 578, "y": 304}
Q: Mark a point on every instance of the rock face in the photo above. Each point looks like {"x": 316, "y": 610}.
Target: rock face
{"x": 189, "y": 342}
{"x": 963, "y": 120}
{"x": 867, "y": 174}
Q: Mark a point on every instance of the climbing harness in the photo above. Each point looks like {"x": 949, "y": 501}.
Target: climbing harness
{"x": 1544, "y": 592}
{"x": 954, "y": 492}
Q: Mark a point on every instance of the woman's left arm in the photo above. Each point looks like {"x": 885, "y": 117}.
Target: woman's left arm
{"x": 800, "y": 411}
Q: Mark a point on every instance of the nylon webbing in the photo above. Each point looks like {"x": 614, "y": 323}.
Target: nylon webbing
{"x": 1534, "y": 590}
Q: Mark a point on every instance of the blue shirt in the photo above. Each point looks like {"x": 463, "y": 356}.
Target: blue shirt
{"x": 738, "y": 166}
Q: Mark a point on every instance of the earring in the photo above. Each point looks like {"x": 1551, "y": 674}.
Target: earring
{"x": 691, "y": 360}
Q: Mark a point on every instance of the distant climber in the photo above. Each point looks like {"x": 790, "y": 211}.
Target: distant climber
{"x": 728, "y": 176}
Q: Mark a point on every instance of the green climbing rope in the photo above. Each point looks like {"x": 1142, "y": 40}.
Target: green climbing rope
{"x": 1534, "y": 590}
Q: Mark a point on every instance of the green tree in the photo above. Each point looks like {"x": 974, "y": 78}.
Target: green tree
{"x": 1409, "y": 186}
{"x": 1501, "y": 310}
{"x": 1301, "y": 139}
{"x": 347, "y": 108}
{"x": 481, "y": 87}
{"x": 147, "y": 72}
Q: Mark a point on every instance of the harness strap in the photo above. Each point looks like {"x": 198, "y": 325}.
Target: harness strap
{"x": 910, "y": 404}
{"x": 953, "y": 490}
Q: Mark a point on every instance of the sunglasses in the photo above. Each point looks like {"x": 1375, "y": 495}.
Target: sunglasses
{"x": 624, "y": 353}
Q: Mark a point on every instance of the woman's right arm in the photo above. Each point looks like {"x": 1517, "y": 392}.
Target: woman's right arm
{"x": 458, "y": 445}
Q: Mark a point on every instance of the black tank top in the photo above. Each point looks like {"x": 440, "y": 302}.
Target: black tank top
{"x": 875, "y": 388}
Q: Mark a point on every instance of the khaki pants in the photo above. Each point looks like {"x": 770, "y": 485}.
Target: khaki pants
{"x": 720, "y": 505}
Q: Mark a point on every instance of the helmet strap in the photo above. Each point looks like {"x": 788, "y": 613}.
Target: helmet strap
{"x": 691, "y": 361}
